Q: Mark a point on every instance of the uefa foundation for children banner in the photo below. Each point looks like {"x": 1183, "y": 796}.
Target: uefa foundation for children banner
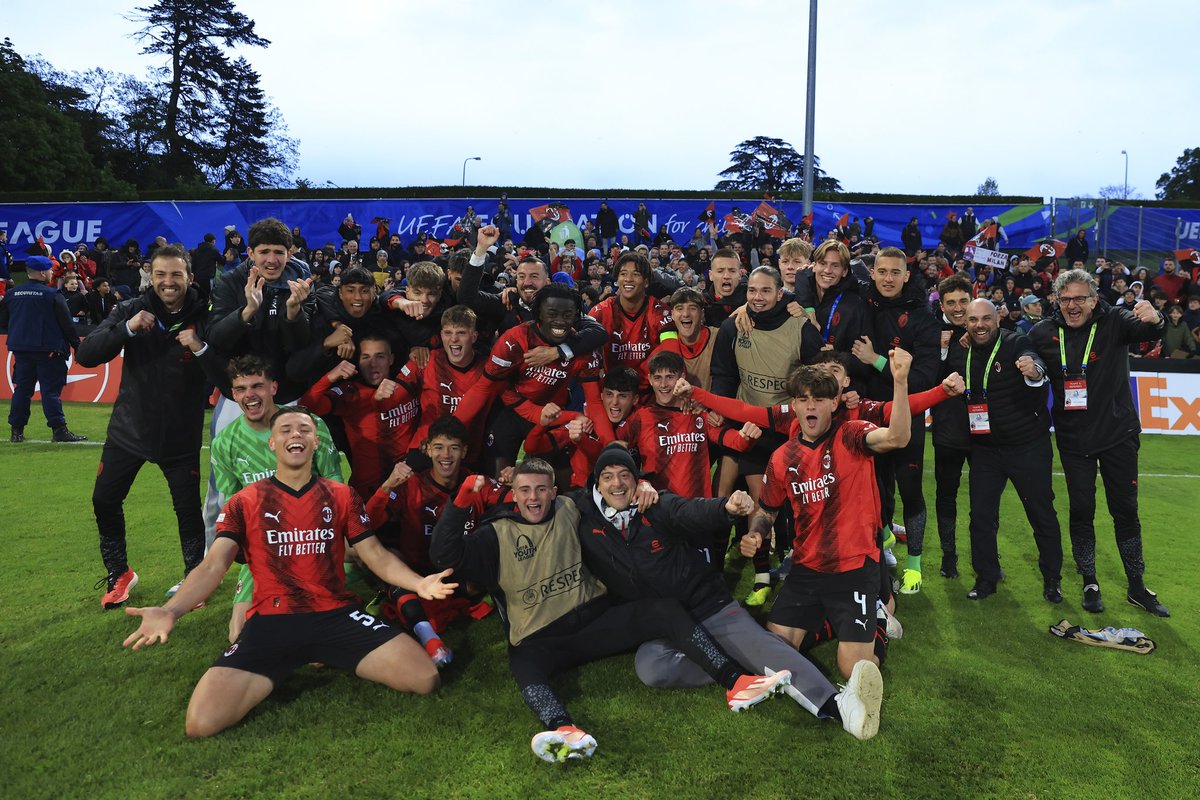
{"x": 66, "y": 224}
{"x": 1168, "y": 402}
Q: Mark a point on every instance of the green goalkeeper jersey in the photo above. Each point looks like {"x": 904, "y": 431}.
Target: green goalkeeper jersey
{"x": 240, "y": 456}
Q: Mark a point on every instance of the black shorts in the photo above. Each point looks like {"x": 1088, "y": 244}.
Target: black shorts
{"x": 275, "y": 644}
{"x": 754, "y": 461}
{"x": 846, "y": 599}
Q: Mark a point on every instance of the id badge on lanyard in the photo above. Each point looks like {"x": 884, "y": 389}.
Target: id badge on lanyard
{"x": 977, "y": 418}
{"x": 1075, "y": 394}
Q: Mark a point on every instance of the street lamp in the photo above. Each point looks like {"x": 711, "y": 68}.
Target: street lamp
{"x": 334, "y": 185}
{"x": 465, "y": 160}
{"x": 1126, "y": 196}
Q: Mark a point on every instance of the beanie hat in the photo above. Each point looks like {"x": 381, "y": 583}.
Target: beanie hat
{"x": 614, "y": 455}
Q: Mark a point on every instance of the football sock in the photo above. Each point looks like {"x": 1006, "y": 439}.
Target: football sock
{"x": 913, "y": 562}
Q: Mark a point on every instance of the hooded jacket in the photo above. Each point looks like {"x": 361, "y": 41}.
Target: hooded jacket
{"x": 904, "y": 321}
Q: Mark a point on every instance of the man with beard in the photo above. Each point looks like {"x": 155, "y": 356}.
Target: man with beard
{"x": 1010, "y": 441}
{"x": 159, "y": 413}
{"x": 901, "y": 319}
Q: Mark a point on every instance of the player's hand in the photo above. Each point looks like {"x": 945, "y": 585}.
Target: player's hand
{"x": 741, "y": 319}
{"x": 298, "y": 292}
{"x": 1028, "y": 368}
{"x": 739, "y": 504}
{"x": 901, "y": 361}
{"x": 850, "y": 399}
{"x": 1145, "y": 312}
{"x": 487, "y": 236}
{"x": 864, "y": 351}
{"x": 796, "y": 310}
{"x": 188, "y": 338}
{"x": 644, "y": 495}
{"x": 254, "y": 293}
{"x": 714, "y": 419}
{"x": 342, "y": 334}
{"x": 433, "y": 587}
{"x": 541, "y": 356}
{"x": 682, "y": 388}
{"x": 509, "y": 296}
{"x": 750, "y": 431}
{"x": 964, "y": 341}
{"x": 946, "y": 338}
{"x": 413, "y": 308}
{"x": 419, "y": 355}
{"x": 345, "y": 351}
{"x": 506, "y": 475}
{"x": 343, "y": 371}
{"x": 749, "y": 544}
{"x": 157, "y": 624}
{"x": 954, "y": 385}
{"x": 141, "y": 321}
{"x": 550, "y": 412}
{"x": 400, "y": 473}
{"x": 387, "y": 388}
{"x": 579, "y": 427}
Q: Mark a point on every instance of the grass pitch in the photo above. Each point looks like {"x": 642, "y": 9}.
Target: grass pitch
{"x": 980, "y": 701}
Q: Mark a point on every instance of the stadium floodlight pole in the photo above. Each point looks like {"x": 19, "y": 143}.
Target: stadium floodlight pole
{"x": 465, "y": 160}
{"x": 1126, "y": 154}
{"x": 810, "y": 107}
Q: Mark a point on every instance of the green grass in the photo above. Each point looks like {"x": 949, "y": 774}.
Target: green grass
{"x": 981, "y": 702}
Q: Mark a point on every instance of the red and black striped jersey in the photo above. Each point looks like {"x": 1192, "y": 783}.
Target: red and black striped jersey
{"x": 524, "y": 388}
{"x": 379, "y": 432}
{"x": 415, "y": 506}
{"x": 443, "y": 387}
{"x": 631, "y": 337}
{"x": 673, "y": 447}
{"x": 294, "y": 542}
{"x": 831, "y": 487}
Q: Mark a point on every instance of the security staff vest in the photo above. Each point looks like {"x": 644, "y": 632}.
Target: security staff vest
{"x": 765, "y": 359}
{"x": 541, "y": 570}
{"x": 699, "y": 367}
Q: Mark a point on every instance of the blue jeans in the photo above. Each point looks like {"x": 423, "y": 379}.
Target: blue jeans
{"x": 29, "y": 369}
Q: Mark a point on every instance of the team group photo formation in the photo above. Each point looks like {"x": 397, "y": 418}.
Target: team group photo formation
{"x": 560, "y": 462}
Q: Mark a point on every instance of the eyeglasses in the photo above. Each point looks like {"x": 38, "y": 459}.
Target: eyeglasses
{"x": 1077, "y": 300}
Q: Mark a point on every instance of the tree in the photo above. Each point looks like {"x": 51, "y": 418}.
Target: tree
{"x": 763, "y": 164}
{"x": 42, "y": 147}
{"x": 989, "y": 188}
{"x": 195, "y": 36}
{"x": 1117, "y": 191}
{"x": 1183, "y": 181}
{"x": 254, "y": 151}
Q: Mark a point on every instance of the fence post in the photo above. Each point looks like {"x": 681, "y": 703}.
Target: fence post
{"x": 1138, "y": 260}
{"x": 1178, "y": 222}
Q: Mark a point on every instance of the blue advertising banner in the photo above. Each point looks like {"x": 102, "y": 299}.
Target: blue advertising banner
{"x": 65, "y": 224}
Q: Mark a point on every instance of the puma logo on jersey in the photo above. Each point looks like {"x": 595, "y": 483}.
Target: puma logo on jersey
{"x": 274, "y": 516}
{"x": 446, "y": 386}
{"x": 794, "y": 469}
{"x": 242, "y": 460}
{"x": 430, "y": 509}
{"x": 510, "y": 346}
{"x": 664, "y": 426}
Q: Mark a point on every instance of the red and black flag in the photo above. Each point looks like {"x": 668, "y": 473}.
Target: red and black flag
{"x": 1190, "y": 256}
{"x": 736, "y": 222}
{"x": 987, "y": 233}
{"x": 844, "y": 221}
{"x": 770, "y": 218}
{"x": 709, "y": 214}
{"x": 555, "y": 212}
{"x": 382, "y": 229}
{"x": 434, "y": 248}
{"x": 1052, "y": 248}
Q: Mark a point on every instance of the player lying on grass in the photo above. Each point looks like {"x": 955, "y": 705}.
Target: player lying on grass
{"x": 292, "y": 530}
{"x": 556, "y": 614}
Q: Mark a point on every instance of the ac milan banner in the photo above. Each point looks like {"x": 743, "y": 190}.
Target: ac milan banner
{"x": 65, "y": 224}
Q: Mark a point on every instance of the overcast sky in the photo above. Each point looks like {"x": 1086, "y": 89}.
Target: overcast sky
{"x": 917, "y": 97}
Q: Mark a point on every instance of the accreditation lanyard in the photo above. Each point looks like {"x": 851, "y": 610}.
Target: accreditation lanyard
{"x": 829, "y": 322}
{"x": 977, "y": 413}
{"x": 1075, "y": 389}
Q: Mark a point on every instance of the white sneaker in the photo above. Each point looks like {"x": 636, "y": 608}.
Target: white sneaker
{"x": 889, "y": 558}
{"x": 563, "y": 743}
{"x": 171, "y": 592}
{"x": 859, "y": 700}
{"x": 894, "y": 629}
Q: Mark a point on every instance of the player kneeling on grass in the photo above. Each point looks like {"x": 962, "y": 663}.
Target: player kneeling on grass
{"x": 556, "y": 613}
{"x": 292, "y": 531}
{"x": 827, "y": 474}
